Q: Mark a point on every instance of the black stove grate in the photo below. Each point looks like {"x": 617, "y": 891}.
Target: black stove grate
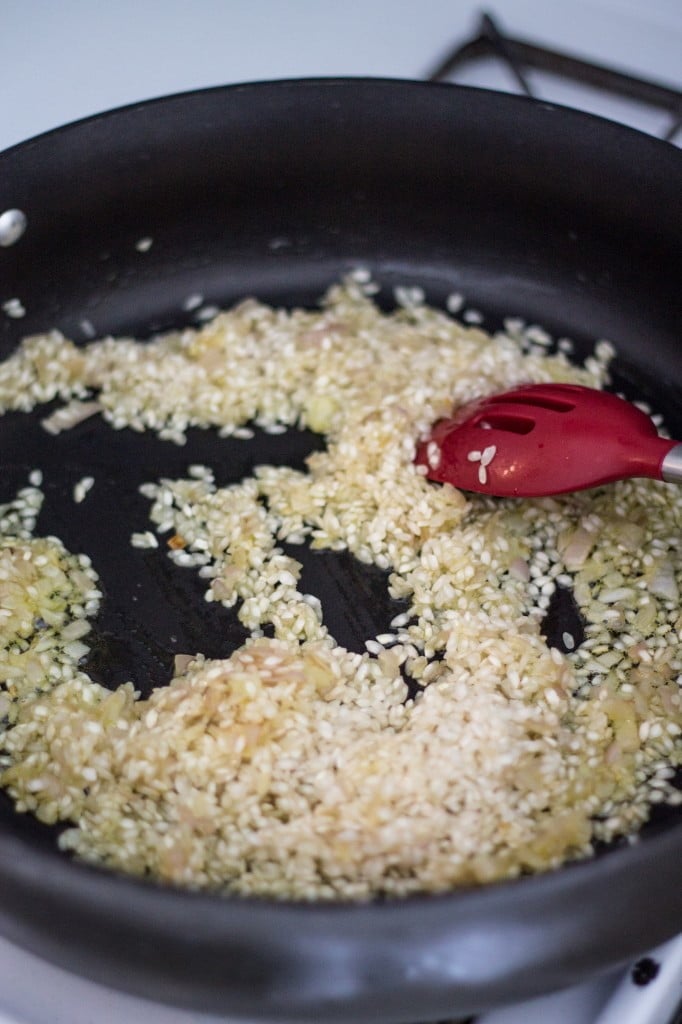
{"x": 521, "y": 57}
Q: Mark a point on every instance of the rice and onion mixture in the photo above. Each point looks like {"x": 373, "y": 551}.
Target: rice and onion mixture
{"x": 296, "y": 768}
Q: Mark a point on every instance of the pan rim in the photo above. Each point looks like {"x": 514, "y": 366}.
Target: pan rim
{"x": 57, "y": 860}
{"x": 136, "y": 903}
{"x": 340, "y": 82}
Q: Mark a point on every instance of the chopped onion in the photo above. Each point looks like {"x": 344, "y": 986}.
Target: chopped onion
{"x": 181, "y": 663}
{"x": 578, "y": 548}
{"x": 520, "y": 569}
{"x": 70, "y": 416}
{"x": 663, "y": 583}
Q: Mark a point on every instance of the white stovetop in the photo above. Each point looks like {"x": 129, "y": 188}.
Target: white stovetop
{"x": 64, "y": 60}
{"x": 61, "y": 61}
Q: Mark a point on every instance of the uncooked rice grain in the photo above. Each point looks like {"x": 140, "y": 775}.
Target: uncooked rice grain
{"x": 296, "y": 768}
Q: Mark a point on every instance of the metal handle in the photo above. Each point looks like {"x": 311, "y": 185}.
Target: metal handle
{"x": 671, "y": 467}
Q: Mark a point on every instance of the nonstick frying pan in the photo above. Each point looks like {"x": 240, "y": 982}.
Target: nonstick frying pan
{"x": 275, "y": 190}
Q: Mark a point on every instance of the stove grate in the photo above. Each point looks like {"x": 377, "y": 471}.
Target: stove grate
{"x": 521, "y": 57}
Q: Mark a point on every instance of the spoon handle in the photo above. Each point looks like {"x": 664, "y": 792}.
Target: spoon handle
{"x": 671, "y": 467}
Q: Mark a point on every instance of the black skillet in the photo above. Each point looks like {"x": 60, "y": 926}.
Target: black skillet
{"x": 275, "y": 190}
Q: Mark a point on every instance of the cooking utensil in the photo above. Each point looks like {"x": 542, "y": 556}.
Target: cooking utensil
{"x": 276, "y": 190}
{"x": 544, "y": 439}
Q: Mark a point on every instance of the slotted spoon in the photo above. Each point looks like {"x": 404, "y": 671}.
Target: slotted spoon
{"x": 543, "y": 439}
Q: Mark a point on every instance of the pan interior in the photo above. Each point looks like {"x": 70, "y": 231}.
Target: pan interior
{"x": 152, "y": 609}
{"x": 281, "y": 217}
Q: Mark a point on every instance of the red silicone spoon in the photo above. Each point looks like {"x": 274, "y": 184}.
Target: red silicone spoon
{"x": 545, "y": 439}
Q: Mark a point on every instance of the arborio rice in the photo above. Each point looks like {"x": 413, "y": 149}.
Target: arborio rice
{"x": 296, "y": 768}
